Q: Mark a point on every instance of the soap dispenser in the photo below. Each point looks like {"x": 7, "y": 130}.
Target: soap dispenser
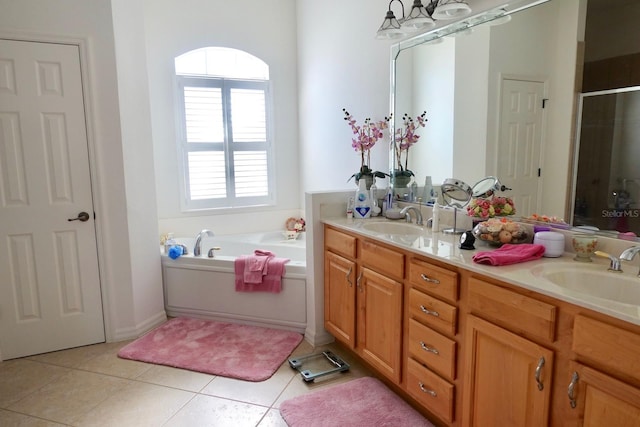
{"x": 362, "y": 203}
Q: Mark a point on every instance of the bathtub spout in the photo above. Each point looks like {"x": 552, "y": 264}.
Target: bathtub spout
{"x": 197, "y": 249}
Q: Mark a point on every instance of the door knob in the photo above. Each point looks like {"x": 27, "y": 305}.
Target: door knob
{"x": 82, "y": 217}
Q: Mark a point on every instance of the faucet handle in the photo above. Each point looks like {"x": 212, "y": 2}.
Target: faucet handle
{"x": 614, "y": 265}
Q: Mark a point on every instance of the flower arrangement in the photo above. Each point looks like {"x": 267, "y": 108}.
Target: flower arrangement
{"x": 405, "y": 137}
{"x": 365, "y": 137}
{"x": 488, "y": 208}
{"x": 295, "y": 224}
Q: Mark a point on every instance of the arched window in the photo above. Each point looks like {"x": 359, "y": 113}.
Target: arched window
{"x": 224, "y": 137}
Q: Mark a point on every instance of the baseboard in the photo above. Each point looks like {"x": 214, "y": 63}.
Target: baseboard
{"x": 140, "y": 329}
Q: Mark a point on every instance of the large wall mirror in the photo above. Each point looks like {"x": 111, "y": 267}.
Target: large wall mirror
{"x": 503, "y": 97}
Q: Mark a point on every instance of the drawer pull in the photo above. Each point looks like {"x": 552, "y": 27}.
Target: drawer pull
{"x": 425, "y": 310}
{"x": 539, "y": 373}
{"x": 429, "y": 279}
{"x": 426, "y": 390}
{"x": 358, "y": 281}
{"x": 429, "y": 349}
{"x": 349, "y": 277}
{"x": 572, "y": 389}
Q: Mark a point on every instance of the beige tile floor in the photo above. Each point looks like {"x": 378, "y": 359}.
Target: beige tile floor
{"x": 91, "y": 386}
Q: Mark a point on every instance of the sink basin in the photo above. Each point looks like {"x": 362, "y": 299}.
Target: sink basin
{"x": 399, "y": 232}
{"x": 394, "y": 228}
{"x": 593, "y": 281}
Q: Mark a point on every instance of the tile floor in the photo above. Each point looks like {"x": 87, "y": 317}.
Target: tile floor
{"x": 91, "y": 386}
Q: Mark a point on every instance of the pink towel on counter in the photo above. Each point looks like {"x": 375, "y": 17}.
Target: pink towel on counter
{"x": 269, "y": 282}
{"x": 510, "y": 254}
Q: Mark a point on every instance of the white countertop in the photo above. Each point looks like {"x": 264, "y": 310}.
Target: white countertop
{"x": 445, "y": 247}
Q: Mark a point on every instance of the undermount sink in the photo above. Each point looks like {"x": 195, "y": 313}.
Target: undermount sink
{"x": 393, "y": 228}
{"x": 399, "y": 232}
{"x": 593, "y": 281}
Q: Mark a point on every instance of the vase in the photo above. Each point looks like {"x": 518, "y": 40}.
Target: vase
{"x": 368, "y": 178}
{"x": 401, "y": 181}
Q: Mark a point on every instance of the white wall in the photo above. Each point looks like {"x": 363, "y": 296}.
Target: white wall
{"x": 264, "y": 29}
{"x": 117, "y": 194}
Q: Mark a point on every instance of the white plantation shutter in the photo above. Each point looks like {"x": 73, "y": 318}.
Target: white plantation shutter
{"x": 225, "y": 139}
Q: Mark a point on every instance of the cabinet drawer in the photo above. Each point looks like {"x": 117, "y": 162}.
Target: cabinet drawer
{"x": 340, "y": 243}
{"x": 434, "y": 350}
{"x": 515, "y": 311}
{"x": 382, "y": 260}
{"x": 434, "y": 280}
{"x": 430, "y": 390}
{"x": 596, "y": 341}
{"x": 431, "y": 311}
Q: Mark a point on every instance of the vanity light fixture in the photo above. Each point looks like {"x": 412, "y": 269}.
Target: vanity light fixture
{"x": 420, "y": 17}
{"x": 450, "y": 9}
{"x": 390, "y": 28}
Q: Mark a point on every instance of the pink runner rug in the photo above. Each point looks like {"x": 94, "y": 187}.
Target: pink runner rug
{"x": 248, "y": 353}
{"x": 363, "y": 402}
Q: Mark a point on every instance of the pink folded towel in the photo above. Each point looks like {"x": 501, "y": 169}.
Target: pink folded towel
{"x": 270, "y": 282}
{"x": 510, "y": 254}
{"x": 256, "y": 266}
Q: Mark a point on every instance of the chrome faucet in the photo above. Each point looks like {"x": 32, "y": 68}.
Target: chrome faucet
{"x": 629, "y": 253}
{"x": 197, "y": 249}
{"x": 614, "y": 264}
{"x": 405, "y": 211}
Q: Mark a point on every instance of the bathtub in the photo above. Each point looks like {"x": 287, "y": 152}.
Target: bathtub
{"x": 205, "y": 287}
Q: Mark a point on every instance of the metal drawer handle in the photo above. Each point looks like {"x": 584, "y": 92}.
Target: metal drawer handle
{"x": 426, "y": 390}
{"x": 539, "y": 373}
{"x": 349, "y": 277}
{"x": 358, "y": 281}
{"x": 430, "y": 349}
{"x": 429, "y": 279}
{"x": 425, "y": 310}
{"x": 572, "y": 389}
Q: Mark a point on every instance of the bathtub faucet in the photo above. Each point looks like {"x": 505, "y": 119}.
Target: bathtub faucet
{"x": 198, "y": 246}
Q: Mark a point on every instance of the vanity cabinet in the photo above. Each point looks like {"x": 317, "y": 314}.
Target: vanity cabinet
{"x": 470, "y": 349}
{"x": 508, "y": 377}
{"x": 431, "y": 349}
{"x": 363, "y": 294}
{"x": 597, "y": 397}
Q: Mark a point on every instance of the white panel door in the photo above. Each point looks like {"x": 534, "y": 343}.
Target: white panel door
{"x": 49, "y": 283}
{"x": 520, "y": 141}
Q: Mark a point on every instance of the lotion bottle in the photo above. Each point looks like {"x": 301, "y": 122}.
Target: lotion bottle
{"x": 362, "y": 204}
{"x": 436, "y": 217}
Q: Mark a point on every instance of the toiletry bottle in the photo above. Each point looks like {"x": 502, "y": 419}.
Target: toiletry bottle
{"x": 436, "y": 217}
{"x": 427, "y": 192}
{"x": 362, "y": 204}
{"x": 169, "y": 243}
{"x": 373, "y": 197}
{"x": 413, "y": 191}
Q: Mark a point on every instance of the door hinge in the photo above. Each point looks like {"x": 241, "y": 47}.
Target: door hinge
{"x": 544, "y": 102}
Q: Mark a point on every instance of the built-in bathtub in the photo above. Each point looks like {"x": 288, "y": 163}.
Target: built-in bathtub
{"x": 205, "y": 287}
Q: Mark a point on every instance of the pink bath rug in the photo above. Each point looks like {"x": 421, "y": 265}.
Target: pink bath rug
{"x": 363, "y": 402}
{"x": 245, "y": 352}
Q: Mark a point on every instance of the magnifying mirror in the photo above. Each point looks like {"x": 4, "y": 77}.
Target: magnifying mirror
{"x": 487, "y": 186}
{"x": 457, "y": 195}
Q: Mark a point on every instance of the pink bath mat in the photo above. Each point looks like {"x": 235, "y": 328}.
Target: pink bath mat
{"x": 363, "y": 402}
{"x": 245, "y": 352}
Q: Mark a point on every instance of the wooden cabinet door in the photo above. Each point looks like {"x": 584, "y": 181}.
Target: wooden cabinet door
{"x": 507, "y": 378}
{"x": 380, "y": 322}
{"x": 600, "y": 400}
{"x": 340, "y": 298}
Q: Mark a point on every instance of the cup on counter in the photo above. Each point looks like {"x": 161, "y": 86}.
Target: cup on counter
{"x": 552, "y": 241}
{"x": 584, "y": 246}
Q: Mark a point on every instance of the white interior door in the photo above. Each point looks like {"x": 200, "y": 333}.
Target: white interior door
{"x": 520, "y": 141}
{"x": 49, "y": 283}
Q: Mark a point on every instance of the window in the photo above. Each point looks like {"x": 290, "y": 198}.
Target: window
{"x": 224, "y": 137}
